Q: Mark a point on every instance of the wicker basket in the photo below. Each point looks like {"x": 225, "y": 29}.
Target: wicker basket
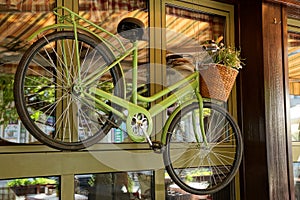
{"x": 216, "y": 81}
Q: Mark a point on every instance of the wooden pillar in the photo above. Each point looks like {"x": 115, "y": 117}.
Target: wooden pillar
{"x": 265, "y": 164}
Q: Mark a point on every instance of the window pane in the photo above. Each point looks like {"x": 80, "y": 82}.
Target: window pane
{"x": 296, "y": 166}
{"x": 294, "y": 82}
{"x": 294, "y": 92}
{"x": 118, "y": 185}
{"x": 196, "y": 26}
{"x": 187, "y": 30}
{"x": 30, "y": 188}
{"x": 175, "y": 192}
{"x": 108, "y": 14}
{"x": 18, "y": 19}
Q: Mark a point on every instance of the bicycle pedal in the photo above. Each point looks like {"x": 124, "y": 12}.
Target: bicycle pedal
{"x": 157, "y": 147}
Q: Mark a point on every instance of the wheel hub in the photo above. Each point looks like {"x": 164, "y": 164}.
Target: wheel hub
{"x": 77, "y": 90}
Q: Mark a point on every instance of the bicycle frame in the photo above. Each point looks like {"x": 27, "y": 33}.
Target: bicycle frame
{"x": 185, "y": 86}
{"x": 180, "y": 89}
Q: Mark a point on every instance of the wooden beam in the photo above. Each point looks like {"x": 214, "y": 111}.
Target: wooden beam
{"x": 286, "y": 2}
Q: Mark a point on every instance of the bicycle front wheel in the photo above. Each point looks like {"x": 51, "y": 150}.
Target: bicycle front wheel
{"x": 49, "y": 85}
{"x": 197, "y": 167}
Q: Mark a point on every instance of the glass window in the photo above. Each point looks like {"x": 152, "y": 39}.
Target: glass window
{"x": 117, "y": 185}
{"x": 18, "y": 20}
{"x": 30, "y": 188}
{"x": 108, "y": 14}
{"x": 176, "y": 193}
{"x": 294, "y": 94}
{"x": 296, "y": 166}
{"x": 187, "y": 30}
{"x": 294, "y": 82}
{"x": 195, "y": 25}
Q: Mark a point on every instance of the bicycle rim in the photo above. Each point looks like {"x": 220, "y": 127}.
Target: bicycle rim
{"x": 46, "y": 100}
{"x": 198, "y": 168}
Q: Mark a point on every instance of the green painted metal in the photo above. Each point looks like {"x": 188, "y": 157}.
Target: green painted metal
{"x": 171, "y": 88}
{"x": 201, "y": 117}
{"x": 130, "y": 110}
{"x": 134, "y": 73}
{"x": 173, "y": 98}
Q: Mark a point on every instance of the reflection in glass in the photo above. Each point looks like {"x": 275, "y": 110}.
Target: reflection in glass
{"x": 196, "y": 27}
{"x": 108, "y": 14}
{"x": 19, "y": 19}
{"x": 115, "y": 186}
{"x": 294, "y": 92}
{"x": 294, "y": 83}
{"x": 296, "y": 167}
{"x": 295, "y": 117}
{"x": 30, "y": 188}
{"x": 173, "y": 192}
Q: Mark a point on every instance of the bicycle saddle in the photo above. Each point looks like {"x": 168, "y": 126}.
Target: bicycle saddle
{"x": 131, "y": 28}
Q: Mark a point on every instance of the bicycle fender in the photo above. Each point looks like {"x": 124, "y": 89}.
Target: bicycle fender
{"x": 171, "y": 117}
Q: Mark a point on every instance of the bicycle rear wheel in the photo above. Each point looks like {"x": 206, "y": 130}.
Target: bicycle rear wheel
{"x": 51, "y": 108}
{"x": 194, "y": 166}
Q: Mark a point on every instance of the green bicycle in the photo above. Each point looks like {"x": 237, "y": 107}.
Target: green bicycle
{"x": 70, "y": 91}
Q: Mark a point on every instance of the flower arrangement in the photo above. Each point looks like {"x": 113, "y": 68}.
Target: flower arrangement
{"x": 228, "y": 56}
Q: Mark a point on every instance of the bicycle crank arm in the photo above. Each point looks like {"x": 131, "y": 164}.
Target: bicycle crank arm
{"x": 156, "y": 146}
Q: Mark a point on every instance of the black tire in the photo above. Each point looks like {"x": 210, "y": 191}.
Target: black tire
{"x": 195, "y": 167}
{"x": 48, "y": 95}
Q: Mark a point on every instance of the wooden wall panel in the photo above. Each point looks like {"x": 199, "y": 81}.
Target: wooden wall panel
{"x": 265, "y": 168}
{"x": 255, "y": 182}
{"x": 274, "y": 102}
